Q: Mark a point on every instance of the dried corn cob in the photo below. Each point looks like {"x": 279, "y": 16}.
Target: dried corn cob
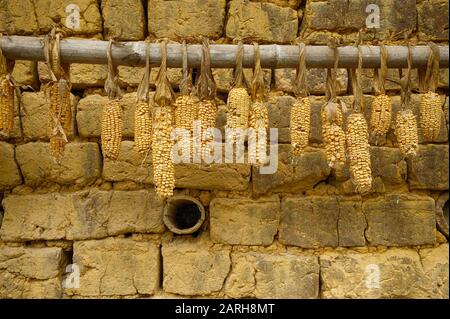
{"x": 111, "y": 129}
{"x": 185, "y": 115}
{"x": 406, "y": 132}
{"x": 430, "y": 115}
{"x": 57, "y": 145}
{"x": 380, "y": 119}
{"x": 260, "y": 115}
{"x": 333, "y": 134}
{"x": 207, "y": 111}
{"x": 163, "y": 168}
{"x": 6, "y": 104}
{"x": 143, "y": 127}
{"x": 60, "y": 112}
{"x": 300, "y": 124}
{"x": 359, "y": 152}
{"x": 185, "y": 111}
{"x": 259, "y": 122}
{"x": 238, "y": 104}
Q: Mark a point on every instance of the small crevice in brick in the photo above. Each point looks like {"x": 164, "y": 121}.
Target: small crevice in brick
{"x": 161, "y": 269}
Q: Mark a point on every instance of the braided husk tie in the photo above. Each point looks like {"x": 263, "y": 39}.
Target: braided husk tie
{"x": 406, "y": 124}
{"x": 381, "y": 108}
{"x": 143, "y": 88}
{"x": 164, "y": 94}
{"x": 112, "y": 87}
{"x": 430, "y": 107}
{"x": 332, "y": 116}
{"x": 356, "y": 74}
{"x": 300, "y": 120}
{"x": 238, "y": 72}
{"x": 257, "y": 85}
{"x": 259, "y": 117}
{"x": 206, "y": 86}
{"x": 381, "y": 73}
{"x": 186, "y": 80}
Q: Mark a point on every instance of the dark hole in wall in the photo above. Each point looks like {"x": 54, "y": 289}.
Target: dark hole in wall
{"x": 195, "y": 71}
{"x": 69, "y": 256}
{"x": 445, "y": 210}
{"x": 186, "y": 215}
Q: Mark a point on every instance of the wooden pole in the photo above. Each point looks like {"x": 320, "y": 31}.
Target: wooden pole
{"x": 222, "y": 55}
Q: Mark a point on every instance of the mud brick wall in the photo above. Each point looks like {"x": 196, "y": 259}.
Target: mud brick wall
{"x": 302, "y": 232}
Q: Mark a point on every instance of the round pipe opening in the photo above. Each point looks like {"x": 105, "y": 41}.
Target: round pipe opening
{"x": 183, "y": 215}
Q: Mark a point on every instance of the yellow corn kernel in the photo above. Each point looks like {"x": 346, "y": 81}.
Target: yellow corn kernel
{"x": 381, "y": 113}
{"x": 430, "y": 115}
{"x": 238, "y": 105}
{"x": 406, "y": 132}
{"x": 143, "y": 127}
{"x": 359, "y": 152}
{"x": 111, "y": 134}
{"x": 300, "y": 125}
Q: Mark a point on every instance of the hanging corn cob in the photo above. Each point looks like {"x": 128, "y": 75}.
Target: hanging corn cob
{"x": 238, "y": 102}
{"x": 406, "y": 124}
{"x": 6, "y": 95}
{"x": 381, "y": 110}
{"x": 163, "y": 167}
{"x": 207, "y": 108}
{"x": 332, "y": 119}
{"x": 259, "y": 119}
{"x": 112, "y": 121}
{"x": 162, "y": 143}
{"x": 357, "y": 134}
{"x": 143, "y": 114}
{"x": 430, "y": 107}
{"x": 186, "y": 105}
{"x": 301, "y": 109}
{"x": 57, "y": 92}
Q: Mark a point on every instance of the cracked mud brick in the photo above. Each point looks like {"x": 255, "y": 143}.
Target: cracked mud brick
{"x": 203, "y": 270}
{"x": 80, "y": 215}
{"x": 80, "y": 164}
{"x": 31, "y": 272}
{"x": 32, "y": 16}
{"x": 9, "y": 170}
{"x": 400, "y": 220}
{"x": 393, "y": 273}
{"x": 244, "y": 221}
{"x": 321, "y": 221}
{"x": 116, "y": 267}
{"x": 269, "y": 275}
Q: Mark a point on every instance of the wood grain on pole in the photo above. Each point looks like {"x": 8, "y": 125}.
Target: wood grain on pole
{"x": 222, "y": 55}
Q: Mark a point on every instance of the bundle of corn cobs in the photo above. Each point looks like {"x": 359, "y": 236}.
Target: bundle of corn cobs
{"x": 406, "y": 124}
{"x": 112, "y": 121}
{"x": 163, "y": 166}
{"x": 259, "y": 118}
{"x": 301, "y": 109}
{"x": 58, "y": 94}
{"x": 430, "y": 106}
{"x": 186, "y": 111}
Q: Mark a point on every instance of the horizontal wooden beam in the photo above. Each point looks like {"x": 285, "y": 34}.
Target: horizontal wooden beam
{"x": 273, "y": 56}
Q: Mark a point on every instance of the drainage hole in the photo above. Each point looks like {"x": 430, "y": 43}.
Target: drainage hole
{"x": 186, "y": 215}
